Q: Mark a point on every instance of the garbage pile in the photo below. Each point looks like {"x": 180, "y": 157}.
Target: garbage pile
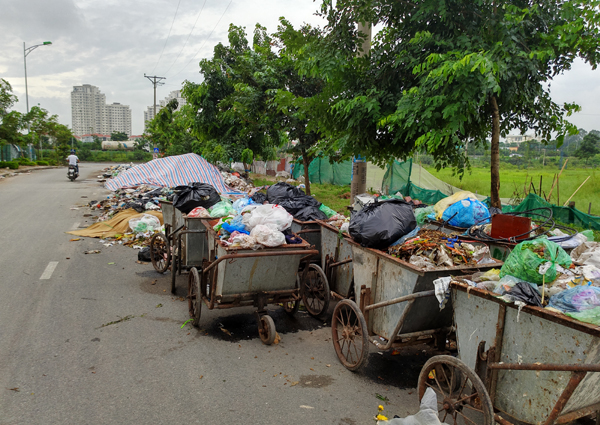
{"x": 141, "y": 199}
{"x": 113, "y": 171}
{"x": 236, "y": 181}
{"x": 540, "y": 273}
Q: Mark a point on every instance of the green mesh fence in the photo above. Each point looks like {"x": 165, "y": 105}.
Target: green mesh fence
{"x": 322, "y": 172}
{"x": 563, "y": 214}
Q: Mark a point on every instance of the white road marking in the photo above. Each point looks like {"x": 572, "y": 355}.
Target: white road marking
{"x": 75, "y": 226}
{"x": 49, "y": 270}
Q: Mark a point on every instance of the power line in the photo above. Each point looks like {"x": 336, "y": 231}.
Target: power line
{"x": 168, "y": 35}
{"x": 208, "y": 38}
{"x": 188, "y": 37}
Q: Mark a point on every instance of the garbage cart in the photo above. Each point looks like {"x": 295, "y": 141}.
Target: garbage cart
{"x": 395, "y": 306}
{"x": 526, "y": 365}
{"x": 233, "y": 277}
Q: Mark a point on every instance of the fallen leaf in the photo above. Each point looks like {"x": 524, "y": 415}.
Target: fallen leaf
{"x": 76, "y": 239}
{"x": 111, "y": 263}
{"x": 164, "y": 290}
{"x": 68, "y": 258}
{"x": 312, "y": 358}
{"x": 312, "y": 369}
{"x": 15, "y": 389}
{"x": 294, "y": 383}
{"x": 154, "y": 282}
{"x": 277, "y": 338}
{"x": 141, "y": 262}
{"x": 201, "y": 376}
{"x": 306, "y": 407}
{"x": 256, "y": 357}
{"x": 158, "y": 305}
{"x": 225, "y": 331}
{"x": 328, "y": 365}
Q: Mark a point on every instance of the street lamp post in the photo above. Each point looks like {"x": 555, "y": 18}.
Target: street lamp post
{"x": 26, "y": 51}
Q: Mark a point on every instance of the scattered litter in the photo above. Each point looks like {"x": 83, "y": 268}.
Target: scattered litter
{"x": 75, "y": 239}
{"x": 94, "y": 251}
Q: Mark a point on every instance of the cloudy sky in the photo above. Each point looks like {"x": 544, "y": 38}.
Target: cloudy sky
{"x": 111, "y": 44}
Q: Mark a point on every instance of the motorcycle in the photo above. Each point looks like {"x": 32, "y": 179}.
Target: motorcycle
{"x": 72, "y": 173}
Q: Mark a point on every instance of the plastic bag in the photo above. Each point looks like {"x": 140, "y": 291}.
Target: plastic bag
{"x": 195, "y": 195}
{"x": 199, "y": 212}
{"x": 295, "y": 205}
{"x": 282, "y": 191}
{"x": 241, "y": 203}
{"x": 589, "y": 234}
{"x": 244, "y": 241}
{"x": 422, "y": 213}
{"x": 328, "y": 211}
{"x": 576, "y": 299}
{"x": 588, "y": 253}
{"x": 230, "y": 228}
{"x": 526, "y": 258}
{"x": 441, "y": 206}
{"x": 144, "y": 223}
{"x": 259, "y": 198}
{"x": 221, "y": 209}
{"x": 591, "y": 315}
{"x": 406, "y": 237}
{"x": 310, "y": 214}
{"x": 379, "y": 224}
{"x": 523, "y": 291}
{"x": 466, "y": 213}
{"x": 268, "y": 214}
{"x": 268, "y": 235}
{"x": 427, "y": 414}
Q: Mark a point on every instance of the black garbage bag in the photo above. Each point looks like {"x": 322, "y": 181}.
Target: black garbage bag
{"x": 380, "y": 224}
{"x": 281, "y": 191}
{"x": 136, "y": 205}
{"x": 259, "y": 198}
{"x": 310, "y": 213}
{"x": 523, "y": 291}
{"x": 144, "y": 254}
{"x": 196, "y": 195}
{"x": 295, "y": 205}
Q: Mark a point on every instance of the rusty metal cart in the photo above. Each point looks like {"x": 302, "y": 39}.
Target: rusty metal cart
{"x": 395, "y": 306}
{"x": 521, "y": 366}
{"x": 233, "y": 277}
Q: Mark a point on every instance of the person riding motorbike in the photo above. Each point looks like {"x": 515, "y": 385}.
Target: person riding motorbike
{"x": 73, "y": 160}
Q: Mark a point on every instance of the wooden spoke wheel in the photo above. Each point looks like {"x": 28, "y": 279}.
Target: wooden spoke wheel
{"x": 160, "y": 252}
{"x": 194, "y": 296}
{"x": 291, "y": 307}
{"x": 350, "y": 335}
{"x": 266, "y": 329}
{"x": 315, "y": 291}
{"x": 461, "y": 395}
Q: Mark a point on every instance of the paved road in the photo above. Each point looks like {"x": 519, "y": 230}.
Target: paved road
{"x": 62, "y": 362}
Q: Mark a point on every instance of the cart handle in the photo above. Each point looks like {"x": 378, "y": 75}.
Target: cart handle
{"x": 307, "y": 253}
{"x": 299, "y": 232}
{"x": 546, "y": 367}
{"x": 340, "y": 263}
{"x": 401, "y": 299}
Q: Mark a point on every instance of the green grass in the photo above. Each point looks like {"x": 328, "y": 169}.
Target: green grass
{"x": 478, "y": 180}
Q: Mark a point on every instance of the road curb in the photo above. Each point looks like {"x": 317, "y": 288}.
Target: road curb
{"x": 10, "y": 173}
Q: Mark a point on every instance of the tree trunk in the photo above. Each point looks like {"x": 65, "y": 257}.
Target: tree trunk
{"x": 306, "y": 162}
{"x": 495, "y": 156}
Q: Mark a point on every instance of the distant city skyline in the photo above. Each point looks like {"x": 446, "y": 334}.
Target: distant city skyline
{"x": 91, "y": 114}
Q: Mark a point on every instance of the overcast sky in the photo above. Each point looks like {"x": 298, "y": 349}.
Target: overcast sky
{"x": 111, "y": 44}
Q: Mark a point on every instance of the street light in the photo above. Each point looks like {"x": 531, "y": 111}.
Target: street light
{"x": 26, "y": 51}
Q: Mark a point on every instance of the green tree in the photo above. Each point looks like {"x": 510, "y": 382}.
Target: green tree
{"x": 170, "y": 130}
{"x": 118, "y": 136}
{"x": 589, "y": 147}
{"x": 442, "y": 73}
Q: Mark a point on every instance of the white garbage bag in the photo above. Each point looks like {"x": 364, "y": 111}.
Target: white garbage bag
{"x": 268, "y": 214}
{"x": 427, "y": 414}
{"x": 268, "y": 235}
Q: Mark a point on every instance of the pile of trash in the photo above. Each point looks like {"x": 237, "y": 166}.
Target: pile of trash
{"x": 236, "y": 181}
{"x": 113, "y": 171}
{"x": 141, "y": 199}
{"x": 540, "y": 273}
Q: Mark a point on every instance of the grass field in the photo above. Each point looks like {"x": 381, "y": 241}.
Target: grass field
{"x": 478, "y": 180}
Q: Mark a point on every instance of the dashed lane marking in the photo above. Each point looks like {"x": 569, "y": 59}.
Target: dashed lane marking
{"x": 49, "y": 270}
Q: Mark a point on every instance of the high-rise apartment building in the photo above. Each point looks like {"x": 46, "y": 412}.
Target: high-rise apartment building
{"x": 91, "y": 114}
{"x": 175, "y": 94}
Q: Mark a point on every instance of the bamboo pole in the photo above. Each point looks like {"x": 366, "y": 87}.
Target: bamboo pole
{"x": 576, "y": 191}
{"x": 540, "y": 191}
{"x": 561, "y": 170}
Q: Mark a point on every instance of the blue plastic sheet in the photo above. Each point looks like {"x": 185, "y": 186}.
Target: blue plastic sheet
{"x": 576, "y": 299}
{"x": 466, "y": 213}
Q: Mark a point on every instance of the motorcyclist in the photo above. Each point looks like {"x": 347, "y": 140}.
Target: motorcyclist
{"x": 73, "y": 160}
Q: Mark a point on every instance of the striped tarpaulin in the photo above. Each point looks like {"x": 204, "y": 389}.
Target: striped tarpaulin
{"x": 171, "y": 171}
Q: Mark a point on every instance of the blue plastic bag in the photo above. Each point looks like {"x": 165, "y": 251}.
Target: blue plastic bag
{"x": 466, "y": 213}
{"x": 242, "y": 203}
{"x": 576, "y": 299}
{"x": 230, "y": 228}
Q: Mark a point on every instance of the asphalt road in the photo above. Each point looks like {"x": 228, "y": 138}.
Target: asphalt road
{"x": 63, "y": 362}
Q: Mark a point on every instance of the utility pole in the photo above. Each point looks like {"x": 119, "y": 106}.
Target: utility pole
{"x": 156, "y": 81}
{"x": 358, "y": 184}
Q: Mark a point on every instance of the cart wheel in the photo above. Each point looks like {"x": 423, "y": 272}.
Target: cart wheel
{"x": 291, "y": 307}
{"x": 160, "y": 252}
{"x": 350, "y": 336}
{"x": 315, "y": 291}
{"x": 460, "y": 392}
{"x": 266, "y": 329}
{"x": 194, "y": 296}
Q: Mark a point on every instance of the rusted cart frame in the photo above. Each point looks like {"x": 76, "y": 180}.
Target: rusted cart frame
{"x": 395, "y": 306}
{"x": 535, "y": 370}
{"x": 235, "y": 277}
{"x": 162, "y": 244}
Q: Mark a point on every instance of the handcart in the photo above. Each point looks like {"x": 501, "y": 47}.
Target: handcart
{"x": 182, "y": 246}
{"x": 515, "y": 365}
{"x": 234, "y": 277}
{"x": 395, "y": 306}
{"x": 334, "y": 277}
